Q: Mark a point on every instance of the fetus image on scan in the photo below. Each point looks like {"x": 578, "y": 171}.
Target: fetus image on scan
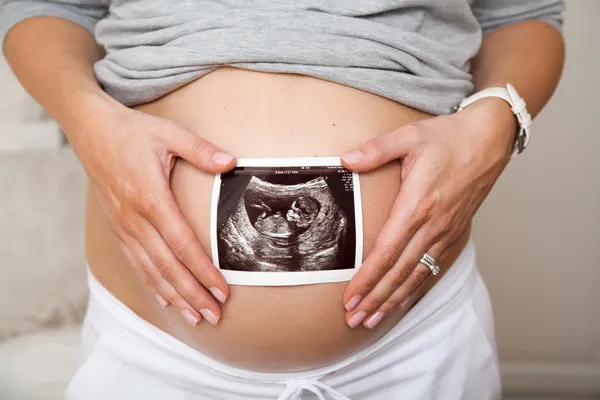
{"x": 282, "y": 224}
{"x": 292, "y": 225}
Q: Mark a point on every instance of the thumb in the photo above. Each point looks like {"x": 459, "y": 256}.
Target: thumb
{"x": 199, "y": 152}
{"x": 381, "y": 150}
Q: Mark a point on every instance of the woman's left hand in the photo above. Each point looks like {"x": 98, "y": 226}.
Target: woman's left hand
{"x": 449, "y": 165}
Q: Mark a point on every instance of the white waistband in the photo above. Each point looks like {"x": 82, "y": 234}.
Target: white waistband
{"x": 453, "y": 287}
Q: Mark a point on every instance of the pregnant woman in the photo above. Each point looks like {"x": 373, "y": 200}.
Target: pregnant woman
{"x": 156, "y": 97}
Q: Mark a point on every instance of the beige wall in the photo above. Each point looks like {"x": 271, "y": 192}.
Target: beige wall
{"x": 538, "y": 233}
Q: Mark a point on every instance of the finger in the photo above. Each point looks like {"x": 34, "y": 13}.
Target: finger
{"x": 127, "y": 244}
{"x": 400, "y": 298}
{"x": 184, "y": 244}
{"x": 198, "y": 152}
{"x": 135, "y": 263}
{"x": 164, "y": 289}
{"x": 406, "y": 218}
{"x": 178, "y": 275}
{"x": 419, "y": 275}
{"x": 404, "y": 271}
{"x": 383, "y": 149}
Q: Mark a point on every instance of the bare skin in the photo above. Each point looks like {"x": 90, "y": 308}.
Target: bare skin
{"x": 136, "y": 231}
{"x": 270, "y": 110}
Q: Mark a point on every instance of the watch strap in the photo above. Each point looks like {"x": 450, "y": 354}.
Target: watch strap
{"x": 517, "y": 105}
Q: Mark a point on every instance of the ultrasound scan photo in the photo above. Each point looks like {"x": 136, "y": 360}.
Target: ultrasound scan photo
{"x": 286, "y": 219}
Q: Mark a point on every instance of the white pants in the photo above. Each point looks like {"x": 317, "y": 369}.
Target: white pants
{"x": 442, "y": 349}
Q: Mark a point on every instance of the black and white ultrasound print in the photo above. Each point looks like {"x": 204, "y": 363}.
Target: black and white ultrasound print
{"x": 286, "y": 219}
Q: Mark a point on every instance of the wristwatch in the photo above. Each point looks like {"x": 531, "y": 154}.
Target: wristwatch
{"x": 517, "y": 105}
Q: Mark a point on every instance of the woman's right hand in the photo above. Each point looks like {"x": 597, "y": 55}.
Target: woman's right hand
{"x": 129, "y": 156}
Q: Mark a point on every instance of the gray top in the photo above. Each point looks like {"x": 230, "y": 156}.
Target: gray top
{"x": 415, "y": 52}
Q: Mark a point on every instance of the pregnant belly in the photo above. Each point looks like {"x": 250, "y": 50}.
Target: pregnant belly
{"x": 252, "y": 114}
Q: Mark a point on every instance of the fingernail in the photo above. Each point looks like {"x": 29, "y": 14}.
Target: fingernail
{"x": 162, "y": 301}
{"x": 189, "y": 317}
{"x": 357, "y": 319}
{"x": 354, "y": 157}
{"x": 351, "y": 305}
{"x": 222, "y": 158}
{"x": 405, "y": 302}
{"x": 218, "y": 294}
{"x": 374, "y": 320}
{"x": 209, "y": 316}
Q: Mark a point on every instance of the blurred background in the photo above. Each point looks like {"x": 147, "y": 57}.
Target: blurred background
{"x": 538, "y": 235}
{"x": 538, "y": 240}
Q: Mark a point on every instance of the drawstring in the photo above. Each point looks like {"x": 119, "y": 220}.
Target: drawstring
{"x": 294, "y": 389}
